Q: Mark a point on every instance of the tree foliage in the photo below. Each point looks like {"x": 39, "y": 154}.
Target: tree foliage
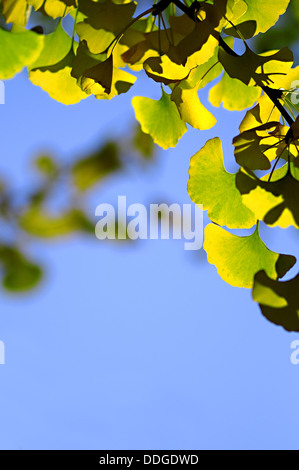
{"x": 182, "y": 46}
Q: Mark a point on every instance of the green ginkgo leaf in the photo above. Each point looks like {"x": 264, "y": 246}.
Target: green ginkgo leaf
{"x": 234, "y": 94}
{"x": 56, "y": 47}
{"x": 91, "y": 170}
{"x": 278, "y": 301}
{"x": 265, "y": 13}
{"x": 19, "y": 273}
{"x": 39, "y": 223}
{"x": 18, "y": 50}
{"x": 238, "y": 259}
{"x": 52, "y": 69}
{"x": 213, "y": 187}
{"x": 104, "y": 21}
{"x": 252, "y": 68}
{"x": 160, "y": 119}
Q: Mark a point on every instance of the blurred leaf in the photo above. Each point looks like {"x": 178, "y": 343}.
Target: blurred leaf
{"x": 143, "y": 143}
{"x": 15, "y": 11}
{"x": 46, "y": 165}
{"x": 91, "y": 170}
{"x": 54, "y": 8}
{"x": 19, "y": 274}
{"x": 39, "y": 223}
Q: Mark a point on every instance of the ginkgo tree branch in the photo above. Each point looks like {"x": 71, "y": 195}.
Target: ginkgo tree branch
{"x": 273, "y": 94}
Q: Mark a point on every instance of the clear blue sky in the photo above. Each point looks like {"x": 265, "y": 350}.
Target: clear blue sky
{"x": 139, "y": 347}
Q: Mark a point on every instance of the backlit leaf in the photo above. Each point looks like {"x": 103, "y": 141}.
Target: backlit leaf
{"x": 213, "y": 187}
{"x": 191, "y": 110}
{"x": 18, "y": 50}
{"x": 265, "y": 13}
{"x": 15, "y": 11}
{"x": 238, "y": 259}
{"x": 276, "y": 203}
{"x": 234, "y": 94}
{"x": 160, "y": 119}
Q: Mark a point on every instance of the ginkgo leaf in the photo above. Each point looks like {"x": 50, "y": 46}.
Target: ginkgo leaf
{"x": 143, "y": 143}
{"x": 163, "y": 70}
{"x": 203, "y": 74}
{"x": 102, "y": 74}
{"x": 235, "y": 9}
{"x": 213, "y": 187}
{"x": 279, "y": 301}
{"x": 122, "y": 81}
{"x": 204, "y": 54}
{"x": 234, "y": 94}
{"x": 97, "y": 39}
{"x": 160, "y": 119}
{"x": 54, "y": 8}
{"x": 46, "y": 165}
{"x": 18, "y": 50}
{"x": 245, "y": 30}
{"x": 91, "y": 170}
{"x": 265, "y": 13}
{"x": 276, "y": 203}
{"x": 56, "y": 47}
{"x": 104, "y": 20}
{"x": 57, "y": 81}
{"x": 264, "y": 111}
{"x": 210, "y": 18}
{"x": 252, "y": 68}
{"x": 191, "y": 110}
{"x": 238, "y": 259}
{"x": 255, "y": 148}
{"x": 15, "y": 11}
{"x": 52, "y": 69}
{"x": 19, "y": 273}
{"x": 59, "y": 8}
{"x": 96, "y": 75}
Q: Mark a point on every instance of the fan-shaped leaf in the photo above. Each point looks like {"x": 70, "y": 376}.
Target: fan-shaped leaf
{"x": 160, "y": 119}
{"x": 238, "y": 259}
{"x": 213, "y": 187}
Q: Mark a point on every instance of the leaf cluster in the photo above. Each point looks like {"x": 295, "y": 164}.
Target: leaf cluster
{"x": 184, "y": 47}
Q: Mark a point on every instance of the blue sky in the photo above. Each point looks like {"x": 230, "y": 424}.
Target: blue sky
{"x": 140, "y": 346}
